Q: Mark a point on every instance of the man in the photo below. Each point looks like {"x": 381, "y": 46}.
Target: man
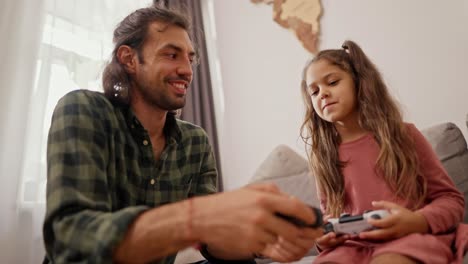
{"x": 121, "y": 166}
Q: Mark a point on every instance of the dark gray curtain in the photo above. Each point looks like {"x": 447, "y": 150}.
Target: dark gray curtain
{"x": 199, "y": 108}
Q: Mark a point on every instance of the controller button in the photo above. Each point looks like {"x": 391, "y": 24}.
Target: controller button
{"x": 328, "y": 228}
{"x": 375, "y": 216}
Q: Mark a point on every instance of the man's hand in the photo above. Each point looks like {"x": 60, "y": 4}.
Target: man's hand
{"x": 239, "y": 223}
{"x": 287, "y": 251}
{"x": 401, "y": 222}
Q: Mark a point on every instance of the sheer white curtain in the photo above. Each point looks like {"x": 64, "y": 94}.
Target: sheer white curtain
{"x": 48, "y": 48}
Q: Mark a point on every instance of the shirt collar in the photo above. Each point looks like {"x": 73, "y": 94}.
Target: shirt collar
{"x": 171, "y": 127}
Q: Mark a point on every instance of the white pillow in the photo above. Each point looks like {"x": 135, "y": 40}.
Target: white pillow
{"x": 290, "y": 172}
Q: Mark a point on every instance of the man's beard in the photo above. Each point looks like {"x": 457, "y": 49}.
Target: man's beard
{"x": 160, "y": 99}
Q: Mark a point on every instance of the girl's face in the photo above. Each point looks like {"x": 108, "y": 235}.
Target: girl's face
{"x": 332, "y": 92}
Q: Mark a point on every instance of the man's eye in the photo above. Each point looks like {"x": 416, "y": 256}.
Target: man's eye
{"x": 171, "y": 55}
{"x": 194, "y": 60}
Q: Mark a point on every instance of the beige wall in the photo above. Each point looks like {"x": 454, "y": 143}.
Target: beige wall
{"x": 420, "y": 47}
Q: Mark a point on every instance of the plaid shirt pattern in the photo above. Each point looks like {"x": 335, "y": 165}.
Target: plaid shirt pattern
{"x": 101, "y": 174}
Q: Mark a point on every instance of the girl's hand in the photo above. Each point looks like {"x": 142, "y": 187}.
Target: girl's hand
{"x": 399, "y": 223}
{"x": 331, "y": 240}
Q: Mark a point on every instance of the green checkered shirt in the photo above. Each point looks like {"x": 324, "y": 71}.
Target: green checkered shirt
{"x": 101, "y": 174}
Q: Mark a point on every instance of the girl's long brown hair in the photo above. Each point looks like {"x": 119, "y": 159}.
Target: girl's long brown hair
{"x": 379, "y": 114}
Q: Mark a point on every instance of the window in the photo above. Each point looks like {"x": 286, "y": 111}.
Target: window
{"x": 76, "y": 43}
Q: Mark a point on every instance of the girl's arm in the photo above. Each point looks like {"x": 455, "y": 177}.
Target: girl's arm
{"x": 445, "y": 203}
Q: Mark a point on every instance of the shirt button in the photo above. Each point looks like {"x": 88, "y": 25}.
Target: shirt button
{"x": 152, "y": 181}
{"x": 145, "y": 142}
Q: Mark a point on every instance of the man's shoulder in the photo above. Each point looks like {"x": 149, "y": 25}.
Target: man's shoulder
{"x": 190, "y": 130}
{"x": 85, "y": 97}
{"x": 86, "y": 102}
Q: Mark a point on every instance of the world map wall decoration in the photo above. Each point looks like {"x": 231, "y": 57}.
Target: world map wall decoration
{"x": 300, "y": 16}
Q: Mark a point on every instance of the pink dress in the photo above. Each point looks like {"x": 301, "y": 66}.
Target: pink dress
{"x": 443, "y": 209}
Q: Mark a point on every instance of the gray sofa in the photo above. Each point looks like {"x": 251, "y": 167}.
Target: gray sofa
{"x": 290, "y": 172}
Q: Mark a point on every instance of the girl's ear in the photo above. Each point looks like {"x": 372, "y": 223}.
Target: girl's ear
{"x": 126, "y": 57}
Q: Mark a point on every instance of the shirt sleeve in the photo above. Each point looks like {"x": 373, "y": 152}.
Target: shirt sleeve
{"x": 444, "y": 203}
{"x": 207, "y": 180}
{"x": 80, "y": 223}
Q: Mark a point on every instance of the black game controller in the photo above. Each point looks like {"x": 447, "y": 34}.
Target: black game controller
{"x": 300, "y": 223}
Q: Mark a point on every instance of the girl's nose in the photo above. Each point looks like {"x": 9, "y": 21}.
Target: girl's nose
{"x": 325, "y": 94}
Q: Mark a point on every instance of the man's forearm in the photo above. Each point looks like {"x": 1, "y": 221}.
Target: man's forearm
{"x": 163, "y": 231}
{"x": 156, "y": 234}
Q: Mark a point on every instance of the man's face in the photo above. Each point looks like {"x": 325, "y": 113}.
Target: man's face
{"x": 165, "y": 72}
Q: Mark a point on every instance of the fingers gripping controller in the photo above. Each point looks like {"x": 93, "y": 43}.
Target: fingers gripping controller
{"x": 300, "y": 223}
{"x": 353, "y": 225}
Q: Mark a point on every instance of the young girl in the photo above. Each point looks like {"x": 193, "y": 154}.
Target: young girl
{"x": 364, "y": 157}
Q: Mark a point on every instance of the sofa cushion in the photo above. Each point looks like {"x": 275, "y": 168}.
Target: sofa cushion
{"x": 290, "y": 172}
{"x": 188, "y": 255}
{"x": 450, "y": 146}
{"x": 446, "y": 139}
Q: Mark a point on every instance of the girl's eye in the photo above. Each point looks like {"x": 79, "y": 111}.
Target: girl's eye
{"x": 333, "y": 83}
{"x": 313, "y": 92}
